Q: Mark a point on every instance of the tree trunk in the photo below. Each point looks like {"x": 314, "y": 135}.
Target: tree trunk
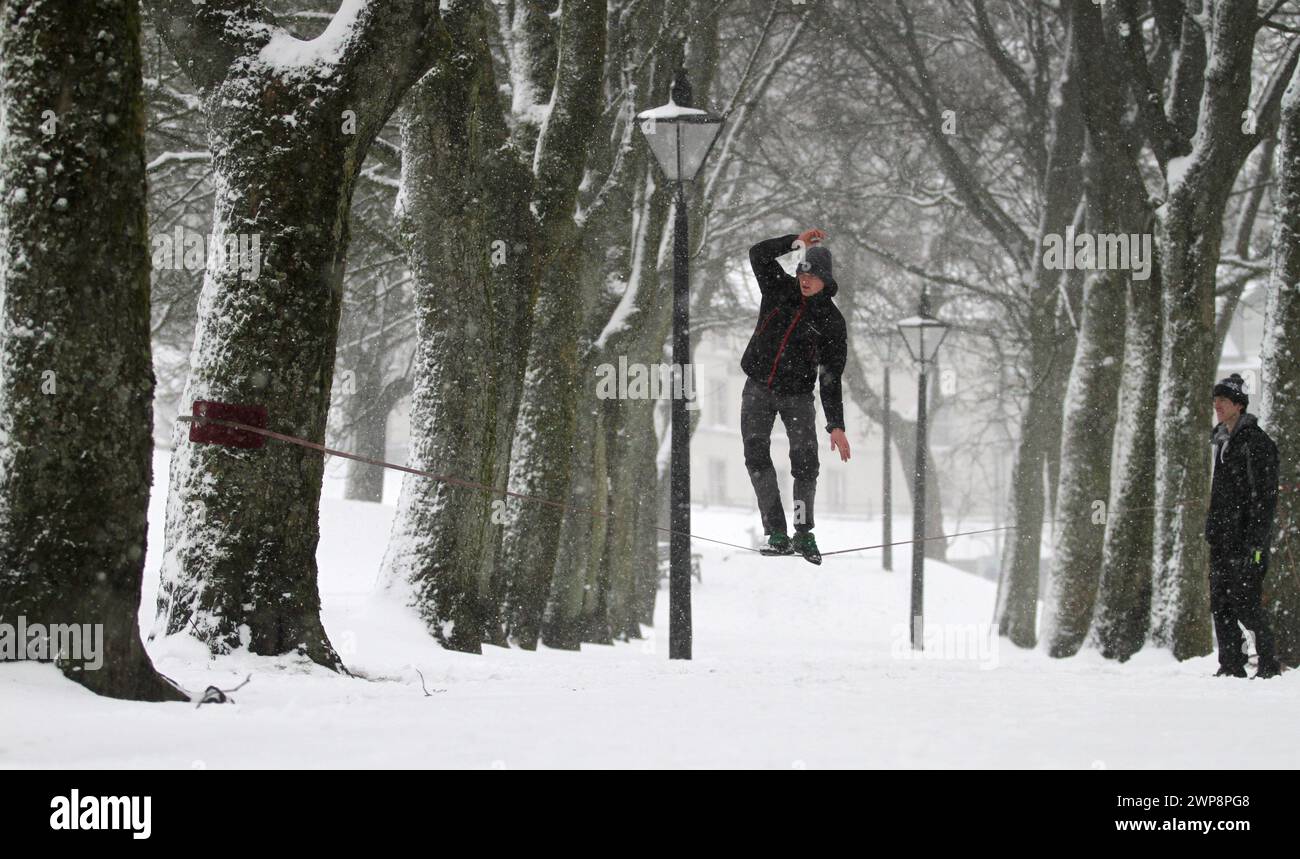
{"x": 76, "y": 379}
{"x": 627, "y": 444}
{"x": 1281, "y": 386}
{"x": 1058, "y": 380}
{"x": 288, "y": 137}
{"x": 583, "y": 537}
{"x": 464, "y": 210}
{"x": 645, "y": 543}
{"x": 637, "y": 338}
{"x": 1088, "y": 429}
{"x": 1124, "y": 598}
{"x": 593, "y": 614}
{"x": 544, "y": 445}
{"x": 365, "y": 482}
{"x": 1017, "y": 609}
{"x": 1115, "y": 198}
{"x": 546, "y": 420}
{"x": 1191, "y": 231}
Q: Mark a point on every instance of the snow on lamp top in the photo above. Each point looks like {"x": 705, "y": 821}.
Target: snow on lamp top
{"x": 680, "y": 137}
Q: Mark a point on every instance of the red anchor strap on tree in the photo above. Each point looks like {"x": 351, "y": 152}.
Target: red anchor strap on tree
{"x": 227, "y": 424}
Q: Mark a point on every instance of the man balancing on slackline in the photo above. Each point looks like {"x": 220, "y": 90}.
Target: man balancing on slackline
{"x": 800, "y": 338}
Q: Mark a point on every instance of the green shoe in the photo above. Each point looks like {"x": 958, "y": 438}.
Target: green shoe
{"x": 805, "y": 544}
{"x": 777, "y": 544}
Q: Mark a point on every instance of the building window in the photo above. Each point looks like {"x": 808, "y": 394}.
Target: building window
{"x": 835, "y": 489}
{"x": 718, "y": 481}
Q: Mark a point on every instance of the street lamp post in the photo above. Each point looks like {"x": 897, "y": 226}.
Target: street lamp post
{"x": 886, "y": 501}
{"x": 884, "y": 343}
{"x": 680, "y": 137}
{"x": 923, "y": 334}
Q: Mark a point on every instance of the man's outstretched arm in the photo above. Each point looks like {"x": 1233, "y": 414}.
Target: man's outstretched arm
{"x": 829, "y": 374}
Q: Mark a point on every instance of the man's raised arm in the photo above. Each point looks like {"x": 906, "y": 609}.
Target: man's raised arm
{"x": 762, "y": 259}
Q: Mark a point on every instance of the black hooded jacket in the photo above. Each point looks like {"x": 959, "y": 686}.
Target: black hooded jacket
{"x": 1243, "y": 494}
{"x": 798, "y": 341}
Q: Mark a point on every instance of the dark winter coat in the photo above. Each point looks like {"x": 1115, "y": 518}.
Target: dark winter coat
{"x": 797, "y": 341}
{"x": 1243, "y": 494}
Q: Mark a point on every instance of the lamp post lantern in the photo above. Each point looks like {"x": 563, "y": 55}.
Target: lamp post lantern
{"x": 922, "y": 334}
{"x": 680, "y": 137}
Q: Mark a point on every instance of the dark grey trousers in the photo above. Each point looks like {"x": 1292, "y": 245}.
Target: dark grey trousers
{"x": 758, "y": 410}
{"x": 1236, "y": 596}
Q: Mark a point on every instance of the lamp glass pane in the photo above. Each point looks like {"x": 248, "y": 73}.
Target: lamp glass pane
{"x": 662, "y": 137}
{"x": 923, "y": 336}
{"x": 696, "y": 138}
{"x": 939, "y": 333}
{"x": 911, "y": 334}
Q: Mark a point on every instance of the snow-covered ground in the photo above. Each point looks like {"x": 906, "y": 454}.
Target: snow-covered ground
{"x": 795, "y": 666}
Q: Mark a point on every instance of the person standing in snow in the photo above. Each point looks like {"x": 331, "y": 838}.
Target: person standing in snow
{"x": 1239, "y": 528}
{"x": 800, "y": 339}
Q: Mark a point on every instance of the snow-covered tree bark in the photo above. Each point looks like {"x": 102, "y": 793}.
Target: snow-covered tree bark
{"x": 620, "y": 559}
{"x": 1115, "y": 202}
{"x": 289, "y": 126}
{"x": 556, "y": 137}
{"x": 626, "y": 305}
{"x": 575, "y": 589}
{"x": 1124, "y": 591}
{"x": 645, "y": 542}
{"x": 1281, "y": 385}
{"x": 1190, "y": 234}
{"x": 634, "y": 330}
{"x": 463, "y": 211}
{"x": 631, "y": 438}
{"x": 365, "y": 482}
{"x": 76, "y": 381}
{"x": 546, "y": 419}
{"x": 543, "y": 449}
{"x": 1017, "y": 606}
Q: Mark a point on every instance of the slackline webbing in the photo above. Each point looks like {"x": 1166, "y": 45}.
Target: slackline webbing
{"x": 483, "y": 487}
